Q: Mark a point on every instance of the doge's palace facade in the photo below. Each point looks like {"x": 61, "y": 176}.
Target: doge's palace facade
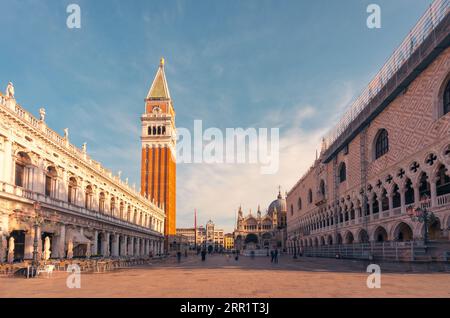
{"x": 390, "y": 152}
{"x": 80, "y": 207}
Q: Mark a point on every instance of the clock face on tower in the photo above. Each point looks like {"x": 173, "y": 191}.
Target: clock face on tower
{"x": 156, "y": 110}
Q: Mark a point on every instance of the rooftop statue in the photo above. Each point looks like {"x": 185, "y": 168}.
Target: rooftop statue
{"x": 10, "y": 90}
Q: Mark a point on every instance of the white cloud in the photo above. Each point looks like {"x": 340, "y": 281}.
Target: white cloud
{"x": 216, "y": 191}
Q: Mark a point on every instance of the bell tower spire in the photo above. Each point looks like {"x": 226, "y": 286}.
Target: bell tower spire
{"x": 158, "y": 140}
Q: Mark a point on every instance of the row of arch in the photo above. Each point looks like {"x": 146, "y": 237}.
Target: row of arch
{"x": 417, "y": 173}
{"x": 402, "y": 232}
{"x": 378, "y": 201}
{"x": 156, "y": 130}
{"x": 111, "y": 206}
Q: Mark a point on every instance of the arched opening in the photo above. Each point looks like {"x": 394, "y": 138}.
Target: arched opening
{"x": 19, "y": 244}
{"x": 122, "y": 210}
{"x": 88, "y": 194}
{"x": 22, "y": 164}
{"x": 316, "y": 242}
{"x": 72, "y": 190}
{"x": 434, "y": 230}
{"x": 342, "y": 172}
{"x": 349, "y": 238}
{"x": 50, "y": 181}
{"x": 111, "y": 244}
{"x": 339, "y": 239}
{"x": 446, "y": 99}
{"x": 396, "y": 201}
{"x": 329, "y": 240}
{"x": 443, "y": 181}
{"x": 112, "y": 206}
{"x": 375, "y": 204}
{"x": 135, "y": 216}
{"x": 101, "y": 202}
{"x": 363, "y": 237}
{"x": 322, "y": 188}
{"x": 100, "y": 240}
{"x": 310, "y": 196}
{"x": 380, "y": 235}
{"x": 384, "y": 201}
{"x": 135, "y": 245}
{"x": 251, "y": 238}
{"x": 128, "y": 213}
{"x": 299, "y": 203}
{"x": 322, "y": 241}
{"x": 43, "y": 236}
{"x": 424, "y": 186}
{"x": 381, "y": 143}
{"x": 409, "y": 192}
{"x": 403, "y": 232}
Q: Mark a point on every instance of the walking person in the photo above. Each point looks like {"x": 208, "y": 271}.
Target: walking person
{"x": 272, "y": 256}
{"x": 203, "y": 255}
{"x": 276, "y": 256}
{"x": 179, "y": 256}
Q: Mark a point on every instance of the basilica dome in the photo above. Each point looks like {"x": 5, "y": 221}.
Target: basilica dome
{"x": 279, "y": 204}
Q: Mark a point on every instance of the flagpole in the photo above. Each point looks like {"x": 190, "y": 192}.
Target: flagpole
{"x": 195, "y": 229}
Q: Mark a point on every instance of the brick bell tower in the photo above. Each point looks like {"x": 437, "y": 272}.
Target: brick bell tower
{"x": 158, "y": 138}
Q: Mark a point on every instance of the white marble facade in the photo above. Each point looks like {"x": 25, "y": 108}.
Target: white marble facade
{"x": 83, "y": 208}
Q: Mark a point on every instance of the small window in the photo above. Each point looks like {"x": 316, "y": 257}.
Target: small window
{"x": 345, "y": 150}
{"x": 310, "y": 197}
{"x": 381, "y": 143}
{"x": 342, "y": 172}
{"x": 299, "y": 204}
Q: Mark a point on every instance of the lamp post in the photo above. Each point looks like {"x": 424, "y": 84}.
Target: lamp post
{"x": 422, "y": 215}
{"x": 36, "y": 221}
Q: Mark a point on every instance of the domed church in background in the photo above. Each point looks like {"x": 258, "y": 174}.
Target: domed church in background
{"x": 262, "y": 232}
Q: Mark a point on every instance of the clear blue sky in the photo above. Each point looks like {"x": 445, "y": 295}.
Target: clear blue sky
{"x": 230, "y": 63}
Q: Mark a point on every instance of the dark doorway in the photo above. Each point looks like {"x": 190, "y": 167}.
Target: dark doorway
{"x": 19, "y": 245}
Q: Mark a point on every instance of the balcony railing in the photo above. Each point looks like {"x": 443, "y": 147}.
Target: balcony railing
{"x": 442, "y": 200}
{"x": 75, "y": 209}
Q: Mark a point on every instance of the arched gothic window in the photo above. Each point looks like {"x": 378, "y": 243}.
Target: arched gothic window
{"x": 447, "y": 98}
{"x": 322, "y": 188}
{"x": 21, "y": 169}
{"x": 72, "y": 190}
{"x": 342, "y": 172}
{"x": 50, "y": 181}
{"x": 88, "y": 197}
{"x": 381, "y": 143}
{"x": 101, "y": 202}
